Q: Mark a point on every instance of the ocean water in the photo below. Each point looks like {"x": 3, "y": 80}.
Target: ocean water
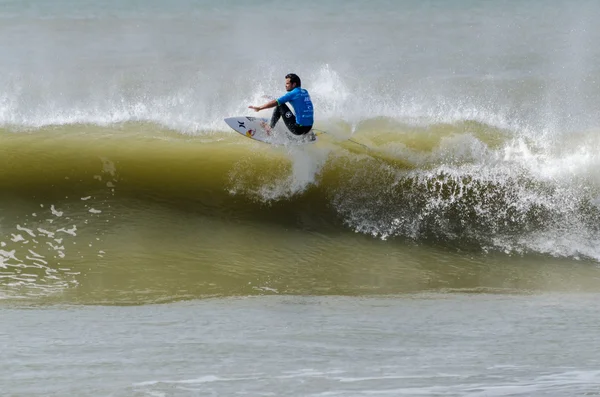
{"x": 461, "y": 159}
{"x": 426, "y": 345}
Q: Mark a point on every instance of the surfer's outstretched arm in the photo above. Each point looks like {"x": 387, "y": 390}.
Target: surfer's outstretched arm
{"x": 268, "y": 105}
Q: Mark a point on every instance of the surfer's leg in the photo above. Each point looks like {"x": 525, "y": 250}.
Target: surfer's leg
{"x": 290, "y": 122}
{"x": 289, "y": 119}
{"x": 276, "y": 115}
{"x": 301, "y": 129}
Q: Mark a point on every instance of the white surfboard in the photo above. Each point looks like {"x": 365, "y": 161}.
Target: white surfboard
{"x": 258, "y": 129}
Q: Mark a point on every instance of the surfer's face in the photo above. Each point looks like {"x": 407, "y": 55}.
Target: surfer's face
{"x": 288, "y": 85}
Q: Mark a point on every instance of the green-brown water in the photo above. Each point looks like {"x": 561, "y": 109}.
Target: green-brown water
{"x": 135, "y": 214}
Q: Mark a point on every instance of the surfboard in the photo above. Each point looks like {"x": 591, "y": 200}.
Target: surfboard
{"x": 257, "y": 128}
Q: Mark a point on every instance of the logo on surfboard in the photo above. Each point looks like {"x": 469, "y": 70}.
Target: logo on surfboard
{"x": 241, "y": 124}
{"x": 250, "y": 133}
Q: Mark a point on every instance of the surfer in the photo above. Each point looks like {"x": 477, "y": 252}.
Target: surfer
{"x": 300, "y": 123}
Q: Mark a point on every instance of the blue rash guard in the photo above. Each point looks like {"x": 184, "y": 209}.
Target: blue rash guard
{"x": 302, "y": 104}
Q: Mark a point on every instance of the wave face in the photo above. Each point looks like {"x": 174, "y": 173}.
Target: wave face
{"x": 465, "y": 185}
{"x": 468, "y": 127}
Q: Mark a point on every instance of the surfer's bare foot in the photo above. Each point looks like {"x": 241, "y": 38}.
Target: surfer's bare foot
{"x": 266, "y": 127}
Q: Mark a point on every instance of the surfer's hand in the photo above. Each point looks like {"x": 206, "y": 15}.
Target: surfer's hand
{"x": 255, "y": 108}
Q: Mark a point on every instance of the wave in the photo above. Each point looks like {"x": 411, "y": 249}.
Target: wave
{"x": 465, "y": 185}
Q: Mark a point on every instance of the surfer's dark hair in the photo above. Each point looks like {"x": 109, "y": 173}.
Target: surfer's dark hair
{"x": 294, "y": 79}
